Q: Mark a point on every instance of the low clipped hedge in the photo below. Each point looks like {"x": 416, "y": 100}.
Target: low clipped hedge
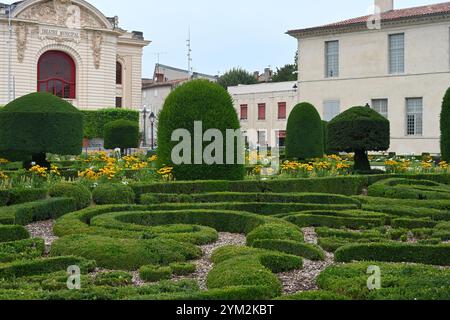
{"x": 182, "y": 269}
{"x": 402, "y": 211}
{"x": 22, "y": 249}
{"x": 13, "y": 233}
{"x": 312, "y": 198}
{"x": 320, "y": 295}
{"x": 395, "y": 252}
{"x": 307, "y": 251}
{"x": 410, "y": 189}
{"x": 4, "y": 197}
{"x": 19, "y": 195}
{"x": 152, "y": 273}
{"x": 335, "y": 220}
{"x": 124, "y": 254}
{"x": 25, "y": 268}
{"x": 413, "y": 223}
{"x": 113, "y": 194}
{"x": 26, "y": 213}
{"x": 275, "y": 231}
{"x": 80, "y": 193}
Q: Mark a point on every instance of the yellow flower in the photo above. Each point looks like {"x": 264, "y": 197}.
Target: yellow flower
{"x": 3, "y": 176}
{"x": 343, "y": 166}
{"x": 334, "y": 157}
{"x": 3, "y": 161}
{"x": 443, "y": 165}
{"x": 54, "y": 170}
{"x": 427, "y": 165}
{"x": 40, "y": 171}
{"x": 153, "y": 158}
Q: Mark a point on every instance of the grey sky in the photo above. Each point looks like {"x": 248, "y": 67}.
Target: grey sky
{"x": 225, "y": 34}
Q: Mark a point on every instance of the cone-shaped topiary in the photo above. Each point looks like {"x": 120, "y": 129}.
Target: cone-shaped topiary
{"x": 123, "y": 134}
{"x": 304, "y": 138}
{"x": 445, "y": 127}
{"x": 210, "y": 104}
{"x": 358, "y": 130}
{"x": 40, "y": 123}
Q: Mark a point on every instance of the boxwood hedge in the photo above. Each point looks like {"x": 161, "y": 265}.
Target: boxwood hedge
{"x": 13, "y": 233}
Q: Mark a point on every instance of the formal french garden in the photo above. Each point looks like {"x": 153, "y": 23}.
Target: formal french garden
{"x": 138, "y": 227}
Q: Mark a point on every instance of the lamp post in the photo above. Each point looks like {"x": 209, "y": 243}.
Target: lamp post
{"x": 144, "y": 117}
{"x": 152, "y": 124}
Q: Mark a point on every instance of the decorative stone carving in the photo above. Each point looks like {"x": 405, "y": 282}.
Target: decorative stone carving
{"x": 97, "y": 41}
{"x": 21, "y": 31}
{"x": 62, "y": 13}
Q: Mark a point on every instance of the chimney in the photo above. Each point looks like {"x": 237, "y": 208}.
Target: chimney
{"x": 384, "y": 5}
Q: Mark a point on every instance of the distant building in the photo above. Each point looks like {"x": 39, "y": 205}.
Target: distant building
{"x": 401, "y": 69}
{"x": 263, "y": 110}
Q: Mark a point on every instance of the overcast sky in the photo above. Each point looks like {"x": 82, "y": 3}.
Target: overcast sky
{"x": 229, "y": 33}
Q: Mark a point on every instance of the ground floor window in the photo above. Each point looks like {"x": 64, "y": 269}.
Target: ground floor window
{"x": 118, "y": 102}
{"x": 262, "y": 138}
{"x": 281, "y": 138}
{"x": 56, "y": 74}
{"x": 414, "y": 116}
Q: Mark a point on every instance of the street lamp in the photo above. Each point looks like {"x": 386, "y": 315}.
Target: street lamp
{"x": 144, "y": 117}
{"x": 152, "y": 123}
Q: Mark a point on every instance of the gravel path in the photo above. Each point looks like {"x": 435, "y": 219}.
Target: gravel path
{"x": 204, "y": 264}
{"x": 305, "y": 280}
{"x": 43, "y": 230}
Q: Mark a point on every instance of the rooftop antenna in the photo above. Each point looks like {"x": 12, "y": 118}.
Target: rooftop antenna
{"x": 158, "y": 56}
{"x": 189, "y": 54}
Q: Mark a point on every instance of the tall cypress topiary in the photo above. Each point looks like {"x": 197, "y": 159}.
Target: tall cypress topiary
{"x": 359, "y": 130}
{"x": 40, "y": 123}
{"x": 445, "y": 127}
{"x": 210, "y": 104}
{"x": 304, "y": 138}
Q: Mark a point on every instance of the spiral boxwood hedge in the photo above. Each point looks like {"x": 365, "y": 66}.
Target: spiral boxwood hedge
{"x": 209, "y": 103}
{"x": 304, "y": 135}
{"x": 122, "y": 134}
{"x": 40, "y": 123}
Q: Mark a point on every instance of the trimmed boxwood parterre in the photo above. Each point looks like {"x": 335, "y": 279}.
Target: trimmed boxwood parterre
{"x": 81, "y": 194}
{"x": 409, "y": 189}
{"x": 20, "y": 250}
{"x": 113, "y": 193}
{"x": 13, "y": 233}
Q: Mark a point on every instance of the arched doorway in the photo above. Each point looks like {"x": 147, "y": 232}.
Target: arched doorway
{"x": 57, "y": 74}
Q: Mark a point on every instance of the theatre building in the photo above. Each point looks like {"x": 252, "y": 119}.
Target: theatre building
{"x": 71, "y": 49}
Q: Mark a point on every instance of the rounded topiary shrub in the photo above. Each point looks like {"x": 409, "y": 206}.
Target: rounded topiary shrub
{"x": 210, "y": 104}
{"x": 113, "y": 194}
{"x": 123, "y": 134}
{"x": 359, "y": 130}
{"x": 40, "y": 123}
{"x": 445, "y": 127}
{"x": 304, "y": 138}
{"x": 80, "y": 193}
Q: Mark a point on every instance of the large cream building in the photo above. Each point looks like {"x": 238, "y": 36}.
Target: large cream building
{"x": 69, "y": 48}
{"x": 400, "y": 66}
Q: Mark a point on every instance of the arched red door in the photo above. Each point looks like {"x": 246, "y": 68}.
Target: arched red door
{"x": 57, "y": 74}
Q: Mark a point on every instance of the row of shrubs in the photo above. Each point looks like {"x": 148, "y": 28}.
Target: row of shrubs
{"x": 410, "y": 189}
{"x": 21, "y": 249}
{"x": 21, "y": 195}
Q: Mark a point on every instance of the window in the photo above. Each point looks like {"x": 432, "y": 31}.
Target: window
{"x": 262, "y": 111}
{"x": 397, "y": 53}
{"x": 244, "y": 112}
{"x": 281, "y": 138}
{"x": 118, "y": 73}
{"x": 331, "y": 59}
{"x": 331, "y": 109}
{"x": 118, "y": 102}
{"x": 56, "y": 74}
{"x": 381, "y": 106}
{"x": 414, "y": 116}
{"x": 282, "y": 111}
{"x": 262, "y": 138}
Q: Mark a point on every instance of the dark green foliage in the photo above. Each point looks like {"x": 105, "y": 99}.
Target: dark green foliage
{"x": 113, "y": 194}
{"x": 235, "y": 77}
{"x": 95, "y": 121}
{"x": 359, "y": 129}
{"x": 445, "y": 127}
{"x": 314, "y": 296}
{"x": 40, "y": 123}
{"x": 285, "y": 73}
{"x": 4, "y": 197}
{"x": 409, "y": 189}
{"x": 76, "y": 191}
{"x": 413, "y": 223}
{"x": 23, "y": 195}
{"x": 307, "y": 251}
{"x": 207, "y": 102}
{"x": 395, "y": 252}
{"x": 182, "y": 269}
{"x": 271, "y": 231}
{"x": 304, "y": 138}
{"x": 26, "y": 213}
{"x": 399, "y": 282}
{"x": 13, "y": 233}
{"x": 123, "y": 134}
{"x": 335, "y": 220}
{"x": 152, "y": 273}
{"x": 22, "y": 249}
{"x": 325, "y": 137}
{"x": 19, "y": 269}
{"x": 125, "y": 254}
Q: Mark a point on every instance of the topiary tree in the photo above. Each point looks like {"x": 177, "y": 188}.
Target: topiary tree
{"x": 304, "y": 136}
{"x": 40, "y": 123}
{"x": 359, "y": 130}
{"x": 123, "y": 134}
{"x": 445, "y": 127}
{"x": 199, "y": 100}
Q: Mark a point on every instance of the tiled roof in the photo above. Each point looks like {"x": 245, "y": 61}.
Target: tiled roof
{"x": 399, "y": 14}
{"x": 148, "y": 83}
